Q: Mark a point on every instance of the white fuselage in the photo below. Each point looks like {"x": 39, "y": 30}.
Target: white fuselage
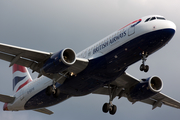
{"x": 131, "y": 33}
{"x": 29, "y": 91}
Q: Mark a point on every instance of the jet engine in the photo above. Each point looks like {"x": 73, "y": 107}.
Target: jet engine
{"x": 59, "y": 61}
{"x": 145, "y": 89}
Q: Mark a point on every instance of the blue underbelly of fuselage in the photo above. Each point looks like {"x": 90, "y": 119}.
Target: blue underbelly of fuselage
{"x": 105, "y": 69}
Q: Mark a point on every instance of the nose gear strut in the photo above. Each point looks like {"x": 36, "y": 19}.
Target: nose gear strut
{"x": 144, "y": 67}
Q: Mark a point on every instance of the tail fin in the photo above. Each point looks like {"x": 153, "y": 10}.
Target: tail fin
{"x": 21, "y": 77}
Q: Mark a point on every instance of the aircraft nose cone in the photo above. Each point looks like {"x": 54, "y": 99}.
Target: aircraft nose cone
{"x": 171, "y": 25}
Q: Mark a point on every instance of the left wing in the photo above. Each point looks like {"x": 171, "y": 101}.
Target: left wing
{"x": 127, "y": 81}
{"x": 23, "y": 56}
{"x": 35, "y": 59}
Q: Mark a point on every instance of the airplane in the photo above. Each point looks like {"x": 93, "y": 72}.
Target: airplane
{"x": 98, "y": 69}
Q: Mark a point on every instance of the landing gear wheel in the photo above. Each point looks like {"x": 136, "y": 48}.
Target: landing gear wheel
{"x": 141, "y": 67}
{"x": 105, "y": 107}
{"x": 113, "y": 92}
{"x": 113, "y": 110}
{"x": 57, "y": 92}
{"x": 146, "y": 68}
{"x": 49, "y": 90}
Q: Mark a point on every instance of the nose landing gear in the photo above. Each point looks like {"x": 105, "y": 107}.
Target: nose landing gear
{"x": 144, "y": 67}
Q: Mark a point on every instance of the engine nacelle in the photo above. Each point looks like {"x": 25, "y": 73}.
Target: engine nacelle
{"x": 145, "y": 89}
{"x": 59, "y": 61}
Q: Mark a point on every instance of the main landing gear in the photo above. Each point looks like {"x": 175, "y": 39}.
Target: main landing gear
{"x": 113, "y": 92}
{"x": 144, "y": 67}
{"x": 109, "y": 107}
{"x": 52, "y": 90}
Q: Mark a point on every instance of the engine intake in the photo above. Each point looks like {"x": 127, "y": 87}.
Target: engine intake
{"x": 145, "y": 89}
{"x": 59, "y": 61}
{"x": 155, "y": 84}
{"x": 68, "y": 56}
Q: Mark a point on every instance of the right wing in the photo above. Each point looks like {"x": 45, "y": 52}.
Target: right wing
{"x": 159, "y": 99}
{"x": 35, "y": 60}
{"x": 127, "y": 81}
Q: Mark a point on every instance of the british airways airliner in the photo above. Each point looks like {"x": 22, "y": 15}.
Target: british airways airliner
{"x": 99, "y": 69}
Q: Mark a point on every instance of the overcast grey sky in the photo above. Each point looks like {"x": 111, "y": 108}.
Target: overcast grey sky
{"x": 51, "y": 25}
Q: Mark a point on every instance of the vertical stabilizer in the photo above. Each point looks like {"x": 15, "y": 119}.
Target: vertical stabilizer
{"x": 21, "y": 77}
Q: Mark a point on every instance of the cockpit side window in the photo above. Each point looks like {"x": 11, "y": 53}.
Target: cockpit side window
{"x": 153, "y": 18}
{"x": 161, "y": 18}
{"x": 147, "y": 20}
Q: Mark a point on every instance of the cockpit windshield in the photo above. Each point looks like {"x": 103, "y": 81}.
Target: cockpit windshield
{"x": 154, "y": 18}
{"x": 161, "y": 18}
{"x": 147, "y": 20}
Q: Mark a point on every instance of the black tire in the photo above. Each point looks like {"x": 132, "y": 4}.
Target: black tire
{"x": 146, "y": 68}
{"x": 49, "y": 90}
{"x": 113, "y": 111}
{"x": 57, "y": 92}
{"x": 142, "y": 67}
{"x": 105, "y": 107}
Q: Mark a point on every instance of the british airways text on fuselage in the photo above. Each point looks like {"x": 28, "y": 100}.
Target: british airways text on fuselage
{"x": 110, "y": 42}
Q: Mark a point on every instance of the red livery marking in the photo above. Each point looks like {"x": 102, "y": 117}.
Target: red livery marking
{"x": 131, "y": 23}
{"x": 21, "y": 86}
{"x": 19, "y": 68}
{"x": 5, "y": 108}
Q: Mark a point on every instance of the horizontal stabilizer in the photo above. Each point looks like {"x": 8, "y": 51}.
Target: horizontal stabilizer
{"x": 44, "y": 110}
{"x": 6, "y": 99}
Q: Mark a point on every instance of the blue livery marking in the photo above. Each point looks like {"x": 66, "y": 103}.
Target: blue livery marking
{"x": 16, "y": 80}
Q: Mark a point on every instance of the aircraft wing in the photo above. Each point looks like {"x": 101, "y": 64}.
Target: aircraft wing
{"x": 127, "y": 81}
{"x": 162, "y": 99}
{"x": 34, "y": 59}
{"x": 23, "y": 56}
{"x": 44, "y": 110}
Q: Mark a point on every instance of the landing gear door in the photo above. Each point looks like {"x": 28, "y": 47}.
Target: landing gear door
{"x": 131, "y": 30}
